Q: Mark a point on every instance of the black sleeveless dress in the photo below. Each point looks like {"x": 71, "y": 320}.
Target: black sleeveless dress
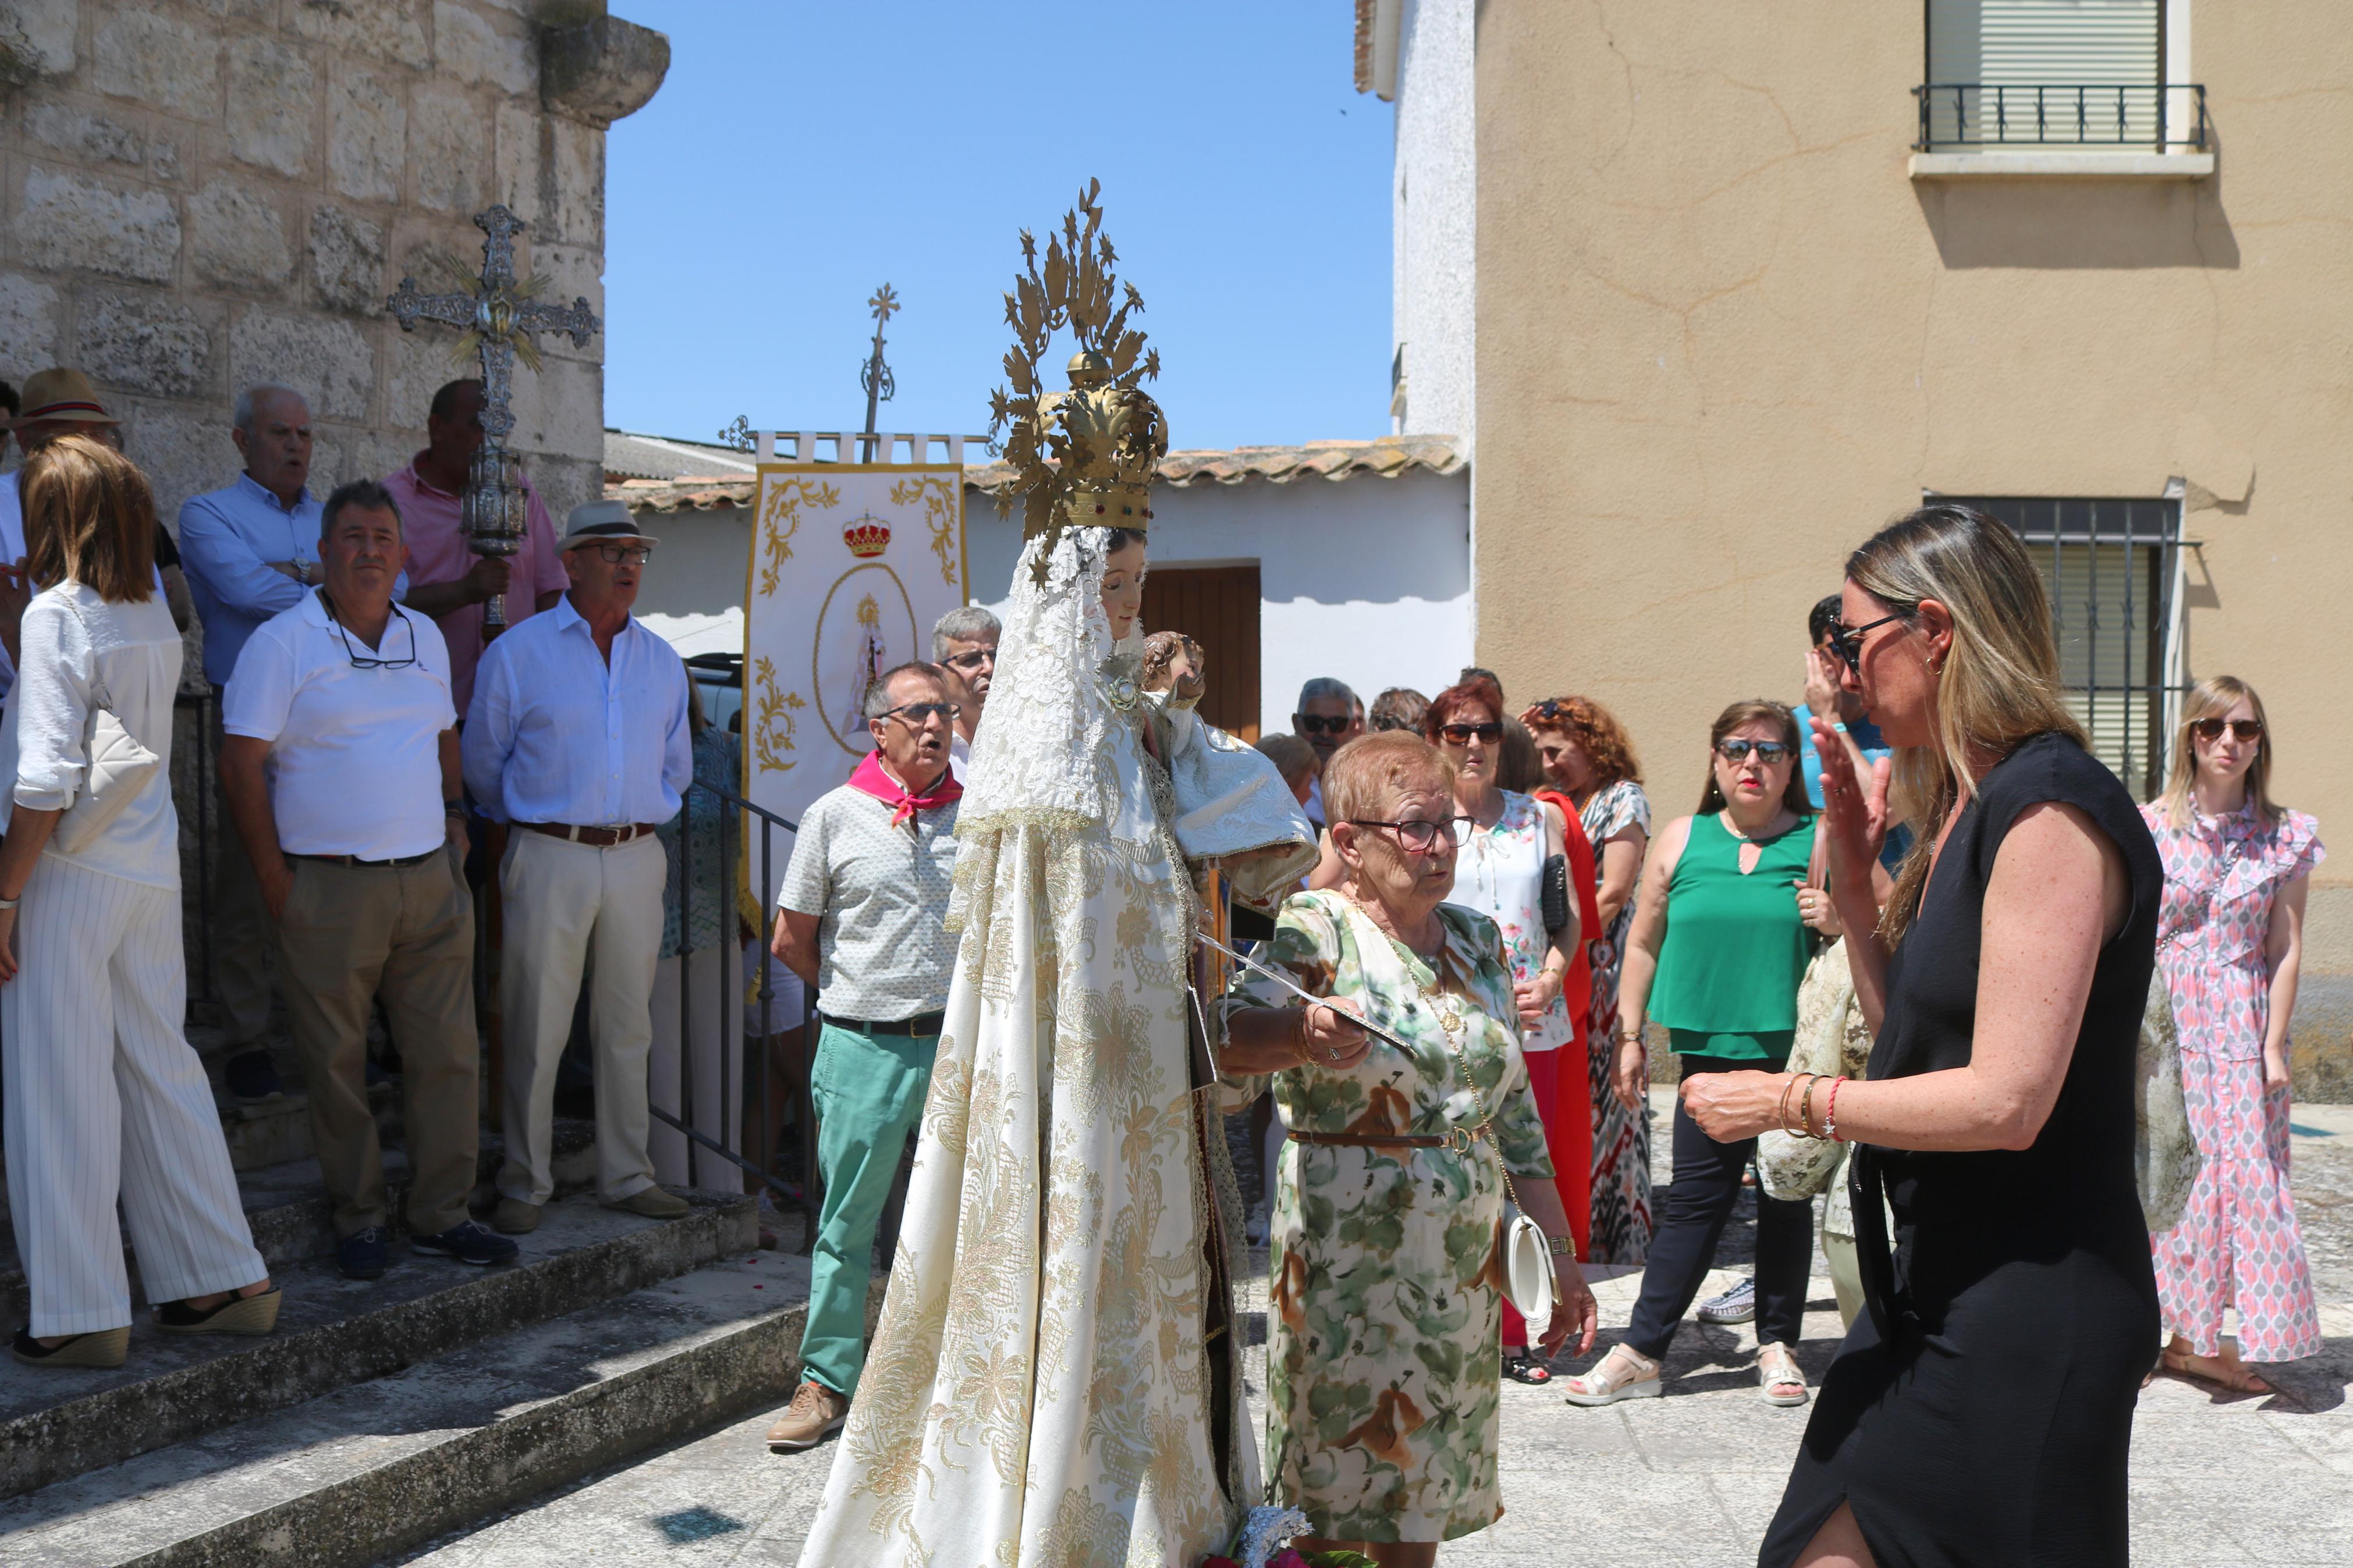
{"x": 1980, "y": 1411}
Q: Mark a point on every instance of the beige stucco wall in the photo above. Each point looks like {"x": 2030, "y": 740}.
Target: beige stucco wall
{"x": 1722, "y": 334}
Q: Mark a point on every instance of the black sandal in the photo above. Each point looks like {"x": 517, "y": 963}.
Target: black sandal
{"x": 1525, "y": 1368}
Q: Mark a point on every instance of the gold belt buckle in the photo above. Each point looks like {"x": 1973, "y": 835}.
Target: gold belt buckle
{"x": 1460, "y": 1139}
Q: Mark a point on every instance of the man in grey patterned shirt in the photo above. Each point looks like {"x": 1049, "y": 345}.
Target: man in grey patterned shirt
{"x": 863, "y": 918}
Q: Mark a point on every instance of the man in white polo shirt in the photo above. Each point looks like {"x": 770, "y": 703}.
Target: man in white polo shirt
{"x": 577, "y": 735}
{"x": 340, "y": 764}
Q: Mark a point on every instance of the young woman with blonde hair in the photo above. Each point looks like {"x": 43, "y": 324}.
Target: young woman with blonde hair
{"x": 2230, "y": 944}
{"x": 1980, "y": 1410}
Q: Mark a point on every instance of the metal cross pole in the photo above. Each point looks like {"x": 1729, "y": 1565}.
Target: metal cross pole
{"x": 501, "y": 319}
{"x": 874, "y": 375}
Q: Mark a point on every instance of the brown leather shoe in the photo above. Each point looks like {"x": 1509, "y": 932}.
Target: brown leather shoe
{"x": 814, "y": 1413}
{"x": 652, "y": 1202}
{"x": 514, "y": 1217}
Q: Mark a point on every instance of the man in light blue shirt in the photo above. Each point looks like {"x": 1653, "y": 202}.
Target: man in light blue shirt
{"x": 577, "y": 737}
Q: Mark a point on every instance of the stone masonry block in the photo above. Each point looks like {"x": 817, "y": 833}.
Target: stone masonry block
{"x": 237, "y": 239}
{"x": 184, "y": 451}
{"x": 347, "y": 261}
{"x": 37, "y": 37}
{"x": 560, "y": 409}
{"x": 272, "y": 99}
{"x": 329, "y": 360}
{"x": 421, "y": 362}
{"x": 390, "y": 30}
{"x": 449, "y": 133}
{"x": 92, "y": 137}
{"x": 551, "y": 170}
{"x": 70, "y": 221}
{"x": 367, "y": 133}
{"x": 158, "y": 61}
{"x": 28, "y": 326}
{"x": 472, "y": 47}
{"x": 145, "y": 342}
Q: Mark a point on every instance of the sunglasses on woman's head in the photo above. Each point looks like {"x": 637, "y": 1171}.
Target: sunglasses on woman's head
{"x": 1767, "y": 751}
{"x": 1319, "y": 724}
{"x": 2211, "y": 729}
{"x": 1461, "y": 735}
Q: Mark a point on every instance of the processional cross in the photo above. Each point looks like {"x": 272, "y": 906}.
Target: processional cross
{"x": 501, "y": 319}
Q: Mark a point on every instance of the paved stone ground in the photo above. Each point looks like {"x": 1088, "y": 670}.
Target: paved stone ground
{"x": 1689, "y": 1479}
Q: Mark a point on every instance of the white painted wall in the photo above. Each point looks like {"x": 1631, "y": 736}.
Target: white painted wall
{"x": 1434, "y": 192}
{"x": 1366, "y": 579}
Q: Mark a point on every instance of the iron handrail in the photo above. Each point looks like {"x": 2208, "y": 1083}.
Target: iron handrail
{"x": 2141, "y": 113}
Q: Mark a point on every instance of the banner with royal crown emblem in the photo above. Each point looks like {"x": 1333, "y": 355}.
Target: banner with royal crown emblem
{"x": 852, "y": 563}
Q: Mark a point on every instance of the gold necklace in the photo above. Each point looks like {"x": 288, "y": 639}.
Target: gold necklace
{"x": 1449, "y": 1017}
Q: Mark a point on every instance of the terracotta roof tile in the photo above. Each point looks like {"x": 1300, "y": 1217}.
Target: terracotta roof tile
{"x": 1333, "y": 460}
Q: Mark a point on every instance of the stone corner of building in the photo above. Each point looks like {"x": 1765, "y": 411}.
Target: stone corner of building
{"x": 597, "y": 68}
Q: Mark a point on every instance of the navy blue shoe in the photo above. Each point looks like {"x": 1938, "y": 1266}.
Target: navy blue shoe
{"x": 362, "y": 1253}
{"x": 252, "y": 1076}
{"x": 468, "y": 1243}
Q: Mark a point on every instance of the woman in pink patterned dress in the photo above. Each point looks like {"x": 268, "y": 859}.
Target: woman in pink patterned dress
{"x": 2229, "y": 941}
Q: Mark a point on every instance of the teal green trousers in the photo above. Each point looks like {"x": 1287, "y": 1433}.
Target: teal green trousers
{"x": 869, "y": 1091}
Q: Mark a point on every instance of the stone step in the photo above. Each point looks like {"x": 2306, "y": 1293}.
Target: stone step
{"x": 333, "y": 1333}
{"x": 287, "y": 1208}
{"x": 368, "y": 1471}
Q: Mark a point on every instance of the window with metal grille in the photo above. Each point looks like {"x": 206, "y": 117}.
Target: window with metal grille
{"x": 2112, "y": 568}
{"x": 2083, "y": 74}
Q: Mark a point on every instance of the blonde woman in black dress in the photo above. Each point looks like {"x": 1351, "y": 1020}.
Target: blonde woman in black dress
{"x": 1980, "y": 1411}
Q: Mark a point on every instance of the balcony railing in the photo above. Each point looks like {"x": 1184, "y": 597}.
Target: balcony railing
{"x": 1968, "y": 116}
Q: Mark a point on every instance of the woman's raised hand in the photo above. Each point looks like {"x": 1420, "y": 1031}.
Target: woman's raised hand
{"x": 1854, "y": 811}
{"x": 1329, "y": 1036}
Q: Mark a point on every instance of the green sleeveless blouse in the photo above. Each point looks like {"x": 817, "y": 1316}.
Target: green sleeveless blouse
{"x": 1736, "y": 950}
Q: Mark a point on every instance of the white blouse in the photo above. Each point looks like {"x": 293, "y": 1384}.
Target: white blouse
{"x": 81, "y": 653}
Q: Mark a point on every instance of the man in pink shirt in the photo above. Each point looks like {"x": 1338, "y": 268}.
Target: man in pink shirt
{"x": 446, "y": 579}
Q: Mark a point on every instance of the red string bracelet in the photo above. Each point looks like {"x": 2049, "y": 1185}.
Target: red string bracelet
{"x": 1830, "y": 1112}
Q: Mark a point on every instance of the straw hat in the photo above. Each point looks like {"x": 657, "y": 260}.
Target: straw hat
{"x": 64, "y": 396}
{"x": 600, "y": 522}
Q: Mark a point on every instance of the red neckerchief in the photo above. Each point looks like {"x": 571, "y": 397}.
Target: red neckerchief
{"x": 873, "y": 778}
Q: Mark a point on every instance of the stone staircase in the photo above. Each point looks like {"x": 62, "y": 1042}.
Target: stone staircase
{"x": 384, "y": 1413}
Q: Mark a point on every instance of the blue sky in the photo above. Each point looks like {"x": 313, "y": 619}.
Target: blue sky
{"x": 800, "y": 153}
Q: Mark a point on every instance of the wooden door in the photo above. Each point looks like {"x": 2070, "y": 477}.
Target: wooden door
{"x": 1217, "y": 606}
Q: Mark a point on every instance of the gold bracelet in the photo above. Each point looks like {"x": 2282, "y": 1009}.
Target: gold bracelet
{"x": 1781, "y": 1107}
{"x": 1806, "y": 1109}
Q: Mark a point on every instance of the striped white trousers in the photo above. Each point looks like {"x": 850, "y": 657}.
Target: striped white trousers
{"x": 106, "y": 1095}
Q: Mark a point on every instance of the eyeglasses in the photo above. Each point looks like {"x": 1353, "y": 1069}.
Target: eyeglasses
{"x": 1315, "y": 724}
{"x": 1421, "y": 837}
{"x": 369, "y": 661}
{"x": 1461, "y": 735}
{"x": 630, "y": 555}
{"x": 1847, "y": 641}
{"x": 969, "y": 662}
{"x": 2248, "y": 730}
{"x": 916, "y": 713}
{"x": 1736, "y": 750}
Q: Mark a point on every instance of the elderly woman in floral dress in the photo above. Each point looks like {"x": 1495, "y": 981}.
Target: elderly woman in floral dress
{"x": 1387, "y": 1303}
{"x": 2229, "y": 942}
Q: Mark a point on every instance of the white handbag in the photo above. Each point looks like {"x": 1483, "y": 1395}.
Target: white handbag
{"x": 119, "y": 767}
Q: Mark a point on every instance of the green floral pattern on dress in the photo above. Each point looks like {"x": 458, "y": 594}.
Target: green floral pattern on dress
{"x": 1384, "y": 1333}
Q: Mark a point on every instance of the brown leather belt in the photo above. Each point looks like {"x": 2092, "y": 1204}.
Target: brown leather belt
{"x": 1369, "y": 1139}
{"x": 595, "y": 837}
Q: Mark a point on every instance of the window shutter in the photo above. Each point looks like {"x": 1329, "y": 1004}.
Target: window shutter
{"x": 2068, "y": 49}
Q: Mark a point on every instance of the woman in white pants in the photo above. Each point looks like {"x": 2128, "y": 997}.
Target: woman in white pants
{"x": 104, "y": 1094}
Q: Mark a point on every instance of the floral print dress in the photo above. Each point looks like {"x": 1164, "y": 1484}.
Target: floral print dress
{"x": 1384, "y": 1336}
{"x": 2238, "y": 1244}
{"x": 1621, "y": 1138}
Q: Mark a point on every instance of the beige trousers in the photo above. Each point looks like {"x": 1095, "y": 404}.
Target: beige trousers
{"x": 572, "y": 909}
{"x": 350, "y": 932}
{"x": 712, "y": 980}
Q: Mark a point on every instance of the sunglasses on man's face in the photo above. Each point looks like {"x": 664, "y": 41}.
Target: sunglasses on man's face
{"x": 1464, "y": 734}
{"x": 2211, "y": 729}
{"x": 1316, "y": 724}
{"x": 1767, "y": 751}
{"x": 970, "y": 662}
{"x": 915, "y": 714}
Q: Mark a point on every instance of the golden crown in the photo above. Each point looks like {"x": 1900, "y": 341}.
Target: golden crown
{"x": 866, "y": 535}
{"x": 1084, "y": 458}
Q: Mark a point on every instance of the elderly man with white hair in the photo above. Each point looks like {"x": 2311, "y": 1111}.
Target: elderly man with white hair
{"x": 578, "y": 736}
{"x": 251, "y": 553}
{"x": 964, "y": 645}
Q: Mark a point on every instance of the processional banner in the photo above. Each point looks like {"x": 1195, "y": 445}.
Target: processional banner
{"x": 852, "y": 563}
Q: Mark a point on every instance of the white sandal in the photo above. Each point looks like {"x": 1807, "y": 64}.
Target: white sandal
{"x": 1624, "y": 1373}
{"x": 1777, "y": 1367}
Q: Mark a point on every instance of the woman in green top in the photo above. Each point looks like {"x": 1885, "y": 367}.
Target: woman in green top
{"x": 1716, "y": 953}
